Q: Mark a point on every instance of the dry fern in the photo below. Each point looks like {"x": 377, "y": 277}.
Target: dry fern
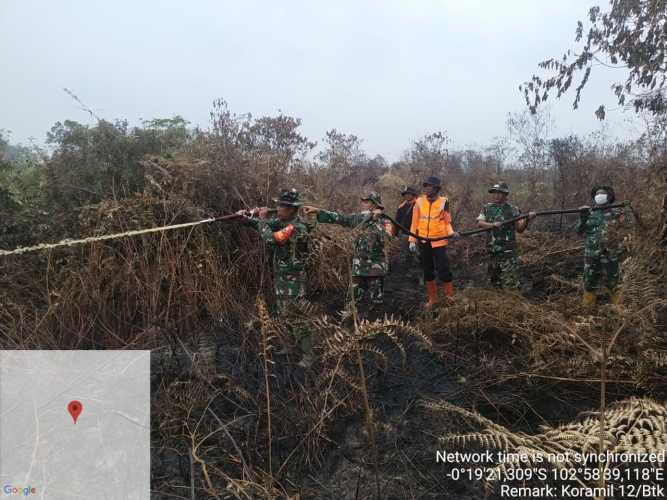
{"x": 636, "y": 425}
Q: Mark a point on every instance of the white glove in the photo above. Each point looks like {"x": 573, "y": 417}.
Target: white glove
{"x": 413, "y": 247}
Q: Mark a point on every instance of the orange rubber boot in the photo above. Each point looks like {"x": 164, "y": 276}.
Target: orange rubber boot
{"x": 431, "y": 293}
{"x": 449, "y": 289}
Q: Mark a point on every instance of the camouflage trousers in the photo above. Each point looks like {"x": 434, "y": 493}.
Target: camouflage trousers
{"x": 595, "y": 266}
{"x": 370, "y": 288}
{"x": 503, "y": 270}
{"x": 663, "y": 236}
{"x": 289, "y": 288}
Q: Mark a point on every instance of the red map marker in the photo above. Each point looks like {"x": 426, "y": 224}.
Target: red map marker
{"x": 75, "y": 408}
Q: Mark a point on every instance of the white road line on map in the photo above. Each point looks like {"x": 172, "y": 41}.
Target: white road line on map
{"x": 36, "y": 445}
{"x": 131, "y": 419}
{"x": 132, "y": 362}
{"x": 77, "y": 380}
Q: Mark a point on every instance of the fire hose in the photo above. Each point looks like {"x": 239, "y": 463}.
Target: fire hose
{"x": 224, "y": 218}
{"x": 463, "y": 234}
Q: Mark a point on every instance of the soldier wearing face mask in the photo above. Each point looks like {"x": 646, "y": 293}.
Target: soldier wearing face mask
{"x": 603, "y": 246}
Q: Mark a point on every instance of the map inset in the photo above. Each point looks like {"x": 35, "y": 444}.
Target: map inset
{"x": 75, "y": 424}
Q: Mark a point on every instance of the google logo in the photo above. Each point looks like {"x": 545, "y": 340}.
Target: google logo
{"x": 10, "y": 490}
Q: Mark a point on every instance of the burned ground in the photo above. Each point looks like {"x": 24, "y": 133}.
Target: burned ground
{"x": 514, "y": 360}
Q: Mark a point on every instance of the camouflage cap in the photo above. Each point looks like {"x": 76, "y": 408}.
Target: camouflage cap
{"x": 289, "y": 198}
{"x": 500, "y": 187}
{"x": 374, "y": 197}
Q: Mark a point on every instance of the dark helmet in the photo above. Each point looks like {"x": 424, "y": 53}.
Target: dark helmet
{"x": 607, "y": 189}
{"x": 432, "y": 180}
{"x": 500, "y": 187}
{"x": 375, "y": 198}
{"x": 409, "y": 190}
{"x": 289, "y": 198}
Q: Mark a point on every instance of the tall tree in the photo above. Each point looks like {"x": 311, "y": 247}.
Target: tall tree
{"x": 529, "y": 132}
{"x": 566, "y": 152}
{"x": 498, "y": 152}
{"x": 631, "y": 35}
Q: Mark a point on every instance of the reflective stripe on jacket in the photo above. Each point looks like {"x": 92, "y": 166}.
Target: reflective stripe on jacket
{"x": 431, "y": 219}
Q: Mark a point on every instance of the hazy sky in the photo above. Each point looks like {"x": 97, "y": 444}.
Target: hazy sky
{"x": 388, "y": 71}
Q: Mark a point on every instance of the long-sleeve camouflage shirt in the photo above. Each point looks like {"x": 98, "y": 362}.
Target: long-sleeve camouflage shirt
{"x": 368, "y": 258}
{"x": 291, "y": 257}
{"x": 503, "y": 239}
{"x": 602, "y": 231}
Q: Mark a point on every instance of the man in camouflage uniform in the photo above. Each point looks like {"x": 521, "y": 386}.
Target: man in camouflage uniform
{"x": 369, "y": 263}
{"x": 503, "y": 268}
{"x": 288, "y": 236}
{"x": 603, "y": 246}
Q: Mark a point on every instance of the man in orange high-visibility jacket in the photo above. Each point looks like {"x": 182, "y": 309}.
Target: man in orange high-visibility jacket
{"x": 431, "y": 219}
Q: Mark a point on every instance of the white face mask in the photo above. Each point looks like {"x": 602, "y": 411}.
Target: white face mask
{"x": 601, "y": 199}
